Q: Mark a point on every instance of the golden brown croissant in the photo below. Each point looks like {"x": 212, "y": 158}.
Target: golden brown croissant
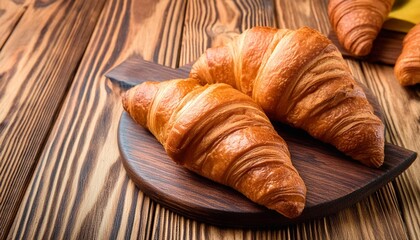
{"x": 222, "y": 134}
{"x": 358, "y": 22}
{"x": 407, "y": 66}
{"x": 299, "y": 78}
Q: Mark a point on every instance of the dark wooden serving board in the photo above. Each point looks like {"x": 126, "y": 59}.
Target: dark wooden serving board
{"x": 333, "y": 180}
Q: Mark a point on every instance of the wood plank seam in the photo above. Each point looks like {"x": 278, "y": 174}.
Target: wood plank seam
{"x": 15, "y": 24}
{"x": 11, "y": 13}
{"x": 178, "y": 52}
{"x": 276, "y": 14}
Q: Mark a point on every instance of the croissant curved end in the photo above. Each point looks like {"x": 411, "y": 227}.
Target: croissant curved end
{"x": 358, "y": 22}
{"x": 407, "y": 66}
{"x": 365, "y": 143}
{"x": 137, "y": 100}
{"x": 200, "y": 71}
{"x": 407, "y": 73}
{"x": 362, "y": 47}
{"x": 290, "y": 209}
{"x": 358, "y": 41}
{"x": 291, "y": 201}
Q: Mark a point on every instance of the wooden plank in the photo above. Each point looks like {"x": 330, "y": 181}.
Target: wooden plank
{"x": 79, "y": 188}
{"x": 222, "y": 21}
{"x": 296, "y": 14}
{"x": 10, "y": 14}
{"x": 36, "y": 69}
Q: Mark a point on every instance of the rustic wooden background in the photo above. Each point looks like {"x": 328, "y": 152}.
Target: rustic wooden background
{"x": 60, "y": 170}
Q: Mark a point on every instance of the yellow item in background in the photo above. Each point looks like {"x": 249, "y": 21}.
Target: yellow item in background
{"x": 403, "y": 16}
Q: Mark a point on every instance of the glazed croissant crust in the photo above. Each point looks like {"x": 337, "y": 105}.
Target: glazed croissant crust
{"x": 222, "y": 134}
{"x": 407, "y": 66}
{"x": 358, "y": 22}
{"x": 299, "y": 77}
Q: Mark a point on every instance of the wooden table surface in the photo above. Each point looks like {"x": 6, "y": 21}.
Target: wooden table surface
{"x": 61, "y": 175}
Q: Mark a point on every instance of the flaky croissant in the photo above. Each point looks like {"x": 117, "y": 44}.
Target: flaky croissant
{"x": 300, "y": 78}
{"x": 407, "y": 66}
{"x": 222, "y": 134}
{"x": 358, "y": 22}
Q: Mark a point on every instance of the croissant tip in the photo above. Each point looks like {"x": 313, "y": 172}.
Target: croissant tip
{"x": 363, "y": 49}
{"x": 376, "y": 162}
{"x": 290, "y": 209}
{"x": 373, "y": 159}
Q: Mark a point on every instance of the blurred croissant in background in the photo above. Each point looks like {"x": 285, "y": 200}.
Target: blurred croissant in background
{"x": 407, "y": 67}
{"x": 358, "y": 22}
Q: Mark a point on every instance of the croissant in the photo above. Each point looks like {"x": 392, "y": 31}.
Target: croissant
{"x": 358, "y": 22}
{"x": 222, "y": 134}
{"x": 407, "y": 66}
{"x": 299, "y": 77}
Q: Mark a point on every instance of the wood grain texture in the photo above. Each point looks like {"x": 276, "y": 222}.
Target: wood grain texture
{"x": 10, "y": 14}
{"x": 213, "y": 23}
{"x": 299, "y": 13}
{"x": 79, "y": 188}
{"x": 36, "y": 67}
